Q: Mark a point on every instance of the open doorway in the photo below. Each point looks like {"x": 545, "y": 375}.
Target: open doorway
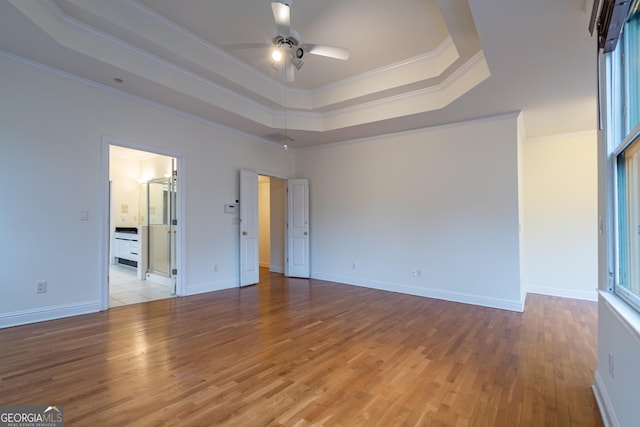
{"x": 142, "y": 226}
{"x": 271, "y": 224}
{"x": 296, "y": 236}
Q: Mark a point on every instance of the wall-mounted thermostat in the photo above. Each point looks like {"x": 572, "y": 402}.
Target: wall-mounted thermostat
{"x": 230, "y": 208}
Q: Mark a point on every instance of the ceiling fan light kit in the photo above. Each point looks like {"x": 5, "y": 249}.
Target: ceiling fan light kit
{"x": 276, "y": 55}
{"x": 287, "y": 46}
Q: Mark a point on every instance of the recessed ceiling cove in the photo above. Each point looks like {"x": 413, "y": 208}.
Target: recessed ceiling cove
{"x": 177, "y": 53}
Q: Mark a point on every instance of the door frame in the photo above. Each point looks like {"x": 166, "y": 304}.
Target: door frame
{"x": 286, "y": 219}
{"x": 104, "y": 215}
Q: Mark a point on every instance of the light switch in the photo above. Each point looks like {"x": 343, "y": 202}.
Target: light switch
{"x": 84, "y": 215}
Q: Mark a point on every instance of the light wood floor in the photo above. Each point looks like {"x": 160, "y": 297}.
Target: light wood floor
{"x": 301, "y": 352}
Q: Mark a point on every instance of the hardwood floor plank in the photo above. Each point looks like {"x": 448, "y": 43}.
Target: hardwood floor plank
{"x": 297, "y": 352}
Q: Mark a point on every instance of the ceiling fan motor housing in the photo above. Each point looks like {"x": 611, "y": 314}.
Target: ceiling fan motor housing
{"x": 289, "y": 42}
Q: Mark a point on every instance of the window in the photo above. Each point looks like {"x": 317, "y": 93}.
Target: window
{"x": 623, "y": 69}
{"x": 628, "y": 224}
{"x": 631, "y": 70}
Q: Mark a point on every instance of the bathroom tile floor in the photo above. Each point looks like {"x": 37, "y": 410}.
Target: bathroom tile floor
{"x": 125, "y": 288}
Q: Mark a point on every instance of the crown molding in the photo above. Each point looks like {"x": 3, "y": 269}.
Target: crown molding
{"x": 298, "y": 113}
{"x": 131, "y": 97}
{"x": 385, "y": 136}
{"x": 198, "y": 52}
{"x": 414, "y": 70}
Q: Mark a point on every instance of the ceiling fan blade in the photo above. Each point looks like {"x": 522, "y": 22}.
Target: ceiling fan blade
{"x": 328, "y": 51}
{"x": 282, "y": 16}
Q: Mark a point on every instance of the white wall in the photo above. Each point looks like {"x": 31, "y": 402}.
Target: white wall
{"x": 443, "y": 201}
{"x": 618, "y": 347}
{"x": 560, "y": 216}
{"x": 125, "y": 191}
{"x": 51, "y": 132}
{"x": 155, "y": 167}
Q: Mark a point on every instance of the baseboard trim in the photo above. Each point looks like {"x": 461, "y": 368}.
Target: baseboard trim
{"x": 563, "y": 293}
{"x": 503, "y": 304}
{"x": 210, "y": 287}
{"x": 50, "y": 313}
{"x": 604, "y": 403}
{"x": 35, "y": 315}
{"x": 276, "y": 268}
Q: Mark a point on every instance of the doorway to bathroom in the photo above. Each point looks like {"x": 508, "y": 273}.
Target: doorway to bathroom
{"x": 143, "y": 197}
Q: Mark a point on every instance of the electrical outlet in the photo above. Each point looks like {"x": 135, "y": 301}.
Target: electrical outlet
{"x": 354, "y": 265}
{"x": 41, "y": 286}
{"x": 414, "y": 272}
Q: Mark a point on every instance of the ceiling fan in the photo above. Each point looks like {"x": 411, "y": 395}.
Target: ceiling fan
{"x": 287, "y": 51}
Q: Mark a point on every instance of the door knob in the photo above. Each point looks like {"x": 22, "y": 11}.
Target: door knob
{"x": 244, "y": 233}
{"x": 305, "y": 233}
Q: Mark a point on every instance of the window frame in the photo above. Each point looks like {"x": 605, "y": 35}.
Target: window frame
{"x": 618, "y": 140}
{"x": 622, "y": 228}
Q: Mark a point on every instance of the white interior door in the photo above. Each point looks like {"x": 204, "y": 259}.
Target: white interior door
{"x": 297, "y": 256}
{"x": 249, "y": 259}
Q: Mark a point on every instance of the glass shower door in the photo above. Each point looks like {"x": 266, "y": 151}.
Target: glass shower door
{"x": 159, "y": 208}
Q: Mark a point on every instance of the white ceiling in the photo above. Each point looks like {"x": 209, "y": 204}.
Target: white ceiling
{"x": 414, "y": 63}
